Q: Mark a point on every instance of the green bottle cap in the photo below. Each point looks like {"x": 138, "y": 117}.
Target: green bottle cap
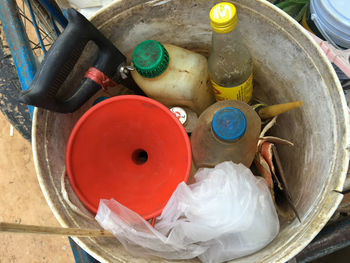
{"x": 150, "y": 58}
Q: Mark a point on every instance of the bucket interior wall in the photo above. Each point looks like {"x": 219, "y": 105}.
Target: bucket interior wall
{"x": 287, "y": 67}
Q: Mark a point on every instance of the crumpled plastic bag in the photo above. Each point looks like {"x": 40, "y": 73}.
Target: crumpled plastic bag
{"x": 228, "y": 213}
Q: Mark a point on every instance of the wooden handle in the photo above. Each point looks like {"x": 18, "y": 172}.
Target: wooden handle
{"x": 19, "y": 228}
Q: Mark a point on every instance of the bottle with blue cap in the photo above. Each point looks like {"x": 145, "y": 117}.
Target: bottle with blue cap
{"x": 226, "y": 131}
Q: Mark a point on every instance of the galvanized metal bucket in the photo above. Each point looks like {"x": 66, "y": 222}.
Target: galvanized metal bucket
{"x": 288, "y": 66}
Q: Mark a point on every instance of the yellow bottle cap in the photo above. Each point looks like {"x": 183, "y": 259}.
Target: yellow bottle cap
{"x": 223, "y": 17}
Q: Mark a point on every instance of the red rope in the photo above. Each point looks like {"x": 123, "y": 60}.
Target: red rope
{"x": 100, "y": 78}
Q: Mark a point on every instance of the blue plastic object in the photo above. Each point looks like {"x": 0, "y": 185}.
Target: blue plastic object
{"x": 229, "y": 124}
{"x": 18, "y": 43}
{"x": 99, "y": 99}
{"x": 80, "y": 255}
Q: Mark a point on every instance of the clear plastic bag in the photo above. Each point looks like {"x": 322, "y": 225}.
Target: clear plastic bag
{"x": 228, "y": 213}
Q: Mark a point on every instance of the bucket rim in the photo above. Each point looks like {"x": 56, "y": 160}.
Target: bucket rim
{"x": 327, "y": 204}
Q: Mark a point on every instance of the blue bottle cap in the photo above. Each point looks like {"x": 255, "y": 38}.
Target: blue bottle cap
{"x": 229, "y": 124}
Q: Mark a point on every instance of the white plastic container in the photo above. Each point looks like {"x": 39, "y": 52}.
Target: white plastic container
{"x": 332, "y": 18}
{"x": 172, "y": 75}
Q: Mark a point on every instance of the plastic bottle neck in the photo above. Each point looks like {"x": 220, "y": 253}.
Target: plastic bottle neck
{"x": 220, "y": 40}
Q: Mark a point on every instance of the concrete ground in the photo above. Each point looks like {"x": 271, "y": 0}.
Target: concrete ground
{"x": 22, "y": 202}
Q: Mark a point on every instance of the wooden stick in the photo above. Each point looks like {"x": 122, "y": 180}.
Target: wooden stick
{"x": 49, "y": 230}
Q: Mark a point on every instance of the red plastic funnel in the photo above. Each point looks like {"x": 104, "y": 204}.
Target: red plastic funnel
{"x": 130, "y": 148}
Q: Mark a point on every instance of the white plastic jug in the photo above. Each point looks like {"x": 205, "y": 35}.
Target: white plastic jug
{"x": 172, "y": 75}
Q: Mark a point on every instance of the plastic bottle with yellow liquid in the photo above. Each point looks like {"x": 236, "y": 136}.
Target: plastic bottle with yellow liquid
{"x": 230, "y": 63}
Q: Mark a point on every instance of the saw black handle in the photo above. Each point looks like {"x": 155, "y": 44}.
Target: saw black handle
{"x": 60, "y": 61}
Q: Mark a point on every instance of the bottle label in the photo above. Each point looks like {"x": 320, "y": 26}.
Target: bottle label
{"x": 180, "y": 114}
{"x": 241, "y": 92}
